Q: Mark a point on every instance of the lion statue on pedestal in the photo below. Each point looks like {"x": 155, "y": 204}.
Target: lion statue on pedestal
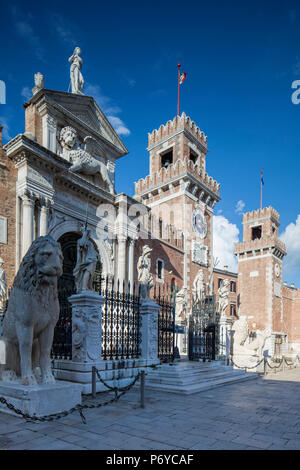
{"x": 32, "y": 313}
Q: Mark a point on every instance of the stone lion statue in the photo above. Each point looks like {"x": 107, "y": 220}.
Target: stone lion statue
{"x": 241, "y": 344}
{"x": 32, "y": 313}
{"x": 82, "y": 160}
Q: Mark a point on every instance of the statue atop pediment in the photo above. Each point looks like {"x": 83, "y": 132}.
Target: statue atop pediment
{"x": 83, "y": 160}
{"x": 77, "y": 81}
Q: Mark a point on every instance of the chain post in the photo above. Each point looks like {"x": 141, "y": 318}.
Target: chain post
{"x": 94, "y": 382}
{"x": 142, "y": 389}
{"x": 265, "y": 365}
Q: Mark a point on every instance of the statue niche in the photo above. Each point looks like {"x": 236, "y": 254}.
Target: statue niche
{"x": 83, "y": 160}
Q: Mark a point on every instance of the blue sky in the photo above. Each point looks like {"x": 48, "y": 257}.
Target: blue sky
{"x": 240, "y": 57}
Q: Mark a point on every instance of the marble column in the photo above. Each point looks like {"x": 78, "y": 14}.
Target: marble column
{"x": 131, "y": 262}
{"x": 121, "y": 262}
{"x": 44, "y": 219}
{"x": 27, "y": 222}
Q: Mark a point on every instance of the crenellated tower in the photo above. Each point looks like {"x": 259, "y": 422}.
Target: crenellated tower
{"x": 260, "y": 256}
{"x": 179, "y": 192}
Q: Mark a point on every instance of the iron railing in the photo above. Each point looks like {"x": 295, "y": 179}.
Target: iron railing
{"x": 121, "y": 319}
{"x": 166, "y": 323}
{"x": 62, "y": 340}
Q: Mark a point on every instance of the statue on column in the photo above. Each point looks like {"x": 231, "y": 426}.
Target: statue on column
{"x": 223, "y": 293}
{"x": 181, "y": 302}
{"x": 3, "y": 288}
{"x": 145, "y": 277}
{"x": 87, "y": 257}
{"x": 77, "y": 81}
{"x": 198, "y": 287}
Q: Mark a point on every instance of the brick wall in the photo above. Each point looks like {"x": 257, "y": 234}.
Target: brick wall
{"x": 8, "y": 178}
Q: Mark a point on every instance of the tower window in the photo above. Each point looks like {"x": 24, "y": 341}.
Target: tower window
{"x": 160, "y": 269}
{"x": 193, "y": 156}
{"x": 256, "y": 233}
{"x": 232, "y": 310}
{"x": 232, "y": 286}
{"x": 167, "y": 159}
{"x": 219, "y": 282}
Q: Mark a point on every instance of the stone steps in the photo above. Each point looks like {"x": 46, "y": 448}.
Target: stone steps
{"x": 187, "y": 378}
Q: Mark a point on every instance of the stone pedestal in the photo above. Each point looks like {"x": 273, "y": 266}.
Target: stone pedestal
{"x": 224, "y": 338}
{"x": 41, "y": 400}
{"x": 149, "y": 311}
{"x": 86, "y": 340}
{"x": 86, "y": 326}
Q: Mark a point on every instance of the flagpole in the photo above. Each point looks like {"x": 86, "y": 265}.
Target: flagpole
{"x": 178, "y": 87}
{"x": 261, "y": 188}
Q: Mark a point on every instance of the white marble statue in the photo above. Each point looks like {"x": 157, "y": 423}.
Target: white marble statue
{"x": 3, "y": 288}
{"x": 77, "y": 81}
{"x": 87, "y": 257}
{"x": 223, "y": 293}
{"x": 32, "y": 313}
{"x": 198, "y": 290}
{"x": 39, "y": 83}
{"x": 145, "y": 277}
{"x": 83, "y": 160}
{"x": 242, "y": 347}
{"x": 181, "y": 302}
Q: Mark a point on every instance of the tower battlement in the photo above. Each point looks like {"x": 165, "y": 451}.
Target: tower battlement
{"x": 174, "y": 170}
{"x": 261, "y": 213}
{"x": 172, "y": 126}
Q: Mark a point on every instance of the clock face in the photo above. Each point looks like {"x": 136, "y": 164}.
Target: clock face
{"x": 199, "y": 223}
{"x": 277, "y": 270}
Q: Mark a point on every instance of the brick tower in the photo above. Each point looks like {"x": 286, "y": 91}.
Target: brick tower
{"x": 260, "y": 256}
{"x": 181, "y": 194}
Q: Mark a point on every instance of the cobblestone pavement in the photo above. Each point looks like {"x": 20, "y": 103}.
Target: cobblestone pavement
{"x": 259, "y": 414}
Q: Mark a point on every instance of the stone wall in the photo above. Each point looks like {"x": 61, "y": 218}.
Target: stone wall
{"x": 8, "y": 178}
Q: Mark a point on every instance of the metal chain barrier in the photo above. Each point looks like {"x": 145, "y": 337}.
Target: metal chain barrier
{"x": 266, "y": 364}
{"x": 246, "y": 367}
{"x": 79, "y": 408}
{"x": 274, "y": 367}
{"x": 116, "y": 389}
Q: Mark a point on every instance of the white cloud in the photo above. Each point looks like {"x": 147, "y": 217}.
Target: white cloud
{"x": 63, "y": 29}
{"x": 22, "y": 25}
{"x": 107, "y": 107}
{"x": 26, "y": 93}
{"x": 291, "y": 238}
{"x": 6, "y": 130}
{"x": 239, "y": 208}
{"x": 118, "y": 125}
{"x": 225, "y": 235}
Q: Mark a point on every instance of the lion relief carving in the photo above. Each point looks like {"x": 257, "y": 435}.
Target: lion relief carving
{"x": 32, "y": 313}
{"x": 83, "y": 160}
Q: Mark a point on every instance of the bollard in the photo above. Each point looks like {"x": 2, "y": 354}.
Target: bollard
{"x": 142, "y": 389}
{"x": 94, "y": 382}
{"x": 265, "y": 365}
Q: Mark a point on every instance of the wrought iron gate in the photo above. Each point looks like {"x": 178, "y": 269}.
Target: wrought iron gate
{"x": 204, "y": 330}
{"x": 166, "y": 327}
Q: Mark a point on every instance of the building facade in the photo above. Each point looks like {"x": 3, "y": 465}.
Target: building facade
{"x": 60, "y": 175}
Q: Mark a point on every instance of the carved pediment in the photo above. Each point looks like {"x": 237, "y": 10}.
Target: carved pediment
{"x": 82, "y": 111}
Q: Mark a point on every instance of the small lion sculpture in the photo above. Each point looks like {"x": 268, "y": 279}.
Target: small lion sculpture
{"x": 32, "y": 313}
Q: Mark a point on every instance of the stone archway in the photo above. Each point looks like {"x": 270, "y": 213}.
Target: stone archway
{"x": 64, "y": 226}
